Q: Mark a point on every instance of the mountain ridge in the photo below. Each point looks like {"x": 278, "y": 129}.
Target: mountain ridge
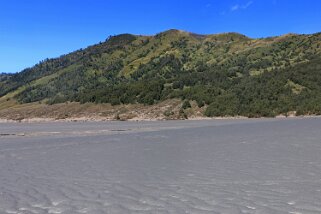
{"x": 215, "y": 70}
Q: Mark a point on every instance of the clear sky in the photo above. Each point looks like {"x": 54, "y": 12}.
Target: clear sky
{"x": 32, "y": 30}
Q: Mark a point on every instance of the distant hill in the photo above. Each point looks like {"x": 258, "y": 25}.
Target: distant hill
{"x": 5, "y": 76}
{"x": 226, "y": 74}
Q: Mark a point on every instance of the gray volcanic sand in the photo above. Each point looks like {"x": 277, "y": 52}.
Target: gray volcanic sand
{"x": 217, "y": 166}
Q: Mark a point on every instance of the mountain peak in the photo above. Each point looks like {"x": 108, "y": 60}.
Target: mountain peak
{"x": 121, "y": 39}
{"x": 172, "y": 32}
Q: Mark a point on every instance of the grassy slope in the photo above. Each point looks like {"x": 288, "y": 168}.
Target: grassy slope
{"x": 108, "y": 63}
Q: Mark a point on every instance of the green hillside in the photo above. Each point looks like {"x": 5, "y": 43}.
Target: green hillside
{"x": 229, "y": 74}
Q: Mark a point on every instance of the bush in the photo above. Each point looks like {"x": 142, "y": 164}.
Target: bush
{"x": 186, "y": 104}
{"x": 224, "y": 105}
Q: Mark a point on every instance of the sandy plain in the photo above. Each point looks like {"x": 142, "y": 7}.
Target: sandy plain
{"x": 210, "y": 166}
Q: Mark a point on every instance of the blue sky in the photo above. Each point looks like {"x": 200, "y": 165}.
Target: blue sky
{"x": 32, "y": 30}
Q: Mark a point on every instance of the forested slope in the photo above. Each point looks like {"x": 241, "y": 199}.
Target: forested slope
{"x": 229, "y": 74}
